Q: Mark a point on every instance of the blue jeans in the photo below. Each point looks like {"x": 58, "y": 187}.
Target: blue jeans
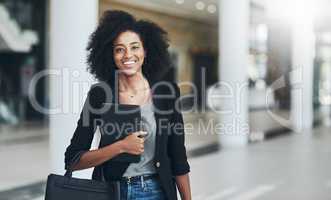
{"x": 141, "y": 189}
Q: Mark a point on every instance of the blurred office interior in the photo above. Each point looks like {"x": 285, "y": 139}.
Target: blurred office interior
{"x": 280, "y": 52}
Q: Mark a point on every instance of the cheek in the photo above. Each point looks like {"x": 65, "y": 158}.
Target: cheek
{"x": 117, "y": 58}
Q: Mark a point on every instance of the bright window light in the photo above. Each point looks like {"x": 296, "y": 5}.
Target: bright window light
{"x": 294, "y": 11}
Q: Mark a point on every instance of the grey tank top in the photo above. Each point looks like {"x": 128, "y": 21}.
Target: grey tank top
{"x": 145, "y": 166}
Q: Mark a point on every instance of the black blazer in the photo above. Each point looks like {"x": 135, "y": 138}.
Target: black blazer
{"x": 170, "y": 154}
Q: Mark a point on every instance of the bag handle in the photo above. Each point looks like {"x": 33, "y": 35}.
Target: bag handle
{"x": 75, "y": 160}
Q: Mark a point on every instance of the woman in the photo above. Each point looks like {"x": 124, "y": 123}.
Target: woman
{"x": 129, "y": 58}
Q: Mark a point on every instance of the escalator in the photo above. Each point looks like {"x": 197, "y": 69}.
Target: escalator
{"x": 22, "y": 54}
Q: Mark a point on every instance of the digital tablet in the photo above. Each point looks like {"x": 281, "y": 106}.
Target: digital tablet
{"x": 117, "y": 122}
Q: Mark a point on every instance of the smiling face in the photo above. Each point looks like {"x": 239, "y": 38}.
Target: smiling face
{"x": 128, "y": 53}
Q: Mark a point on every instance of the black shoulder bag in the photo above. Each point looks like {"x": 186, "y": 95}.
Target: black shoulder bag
{"x": 67, "y": 188}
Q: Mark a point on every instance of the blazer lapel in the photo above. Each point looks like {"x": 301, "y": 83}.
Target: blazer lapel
{"x": 159, "y": 104}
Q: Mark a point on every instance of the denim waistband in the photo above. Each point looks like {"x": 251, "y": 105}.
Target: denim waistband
{"x": 130, "y": 179}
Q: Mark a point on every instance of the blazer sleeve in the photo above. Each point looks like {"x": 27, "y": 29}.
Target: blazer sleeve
{"x": 176, "y": 141}
{"x": 84, "y": 132}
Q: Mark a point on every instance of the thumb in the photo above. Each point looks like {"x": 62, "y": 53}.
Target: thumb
{"x": 139, "y": 133}
{"x": 142, "y": 134}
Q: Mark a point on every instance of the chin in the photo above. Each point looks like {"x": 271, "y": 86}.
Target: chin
{"x": 129, "y": 72}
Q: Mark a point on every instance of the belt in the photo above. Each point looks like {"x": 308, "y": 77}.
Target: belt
{"x": 130, "y": 179}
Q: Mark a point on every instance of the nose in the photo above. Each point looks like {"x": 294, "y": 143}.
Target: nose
{"x": 128, "y": 53}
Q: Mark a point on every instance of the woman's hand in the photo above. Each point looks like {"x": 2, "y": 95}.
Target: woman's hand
{"x": 134, "y": 143}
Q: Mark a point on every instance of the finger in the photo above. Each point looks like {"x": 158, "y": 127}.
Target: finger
{"x": 136, "y": 133}
{"x": 138, "y": 151}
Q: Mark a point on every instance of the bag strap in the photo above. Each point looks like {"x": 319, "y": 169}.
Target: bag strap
{"x": 75, "y": 160}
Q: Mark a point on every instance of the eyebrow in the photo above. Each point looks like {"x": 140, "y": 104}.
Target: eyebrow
{"x": 132, "y": 43}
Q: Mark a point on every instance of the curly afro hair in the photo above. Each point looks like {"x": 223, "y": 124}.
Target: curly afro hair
{"x": 100, "y": 46}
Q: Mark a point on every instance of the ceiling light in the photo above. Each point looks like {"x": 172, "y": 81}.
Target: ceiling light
{"x": 211, "y": 8}
{"x": 200, "y": 5}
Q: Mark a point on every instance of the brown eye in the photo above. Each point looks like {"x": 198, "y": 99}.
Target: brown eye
{"x": 135, "y": 47}
{"x": 119, "y": 50}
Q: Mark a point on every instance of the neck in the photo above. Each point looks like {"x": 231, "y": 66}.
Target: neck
{"x": 132, "y": 83}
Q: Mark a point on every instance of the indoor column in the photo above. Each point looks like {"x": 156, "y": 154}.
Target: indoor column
{"x": 233, "y": 71}
{"x": 71, "y": 23}
{"x": 303, "y": 53}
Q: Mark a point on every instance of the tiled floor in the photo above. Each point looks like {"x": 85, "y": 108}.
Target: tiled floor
{"x": 24, "y": 156}
{"x": 289, "y": 167}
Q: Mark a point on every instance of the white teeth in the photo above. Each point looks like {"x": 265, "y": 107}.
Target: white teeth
{"x": 129, "y": 62}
